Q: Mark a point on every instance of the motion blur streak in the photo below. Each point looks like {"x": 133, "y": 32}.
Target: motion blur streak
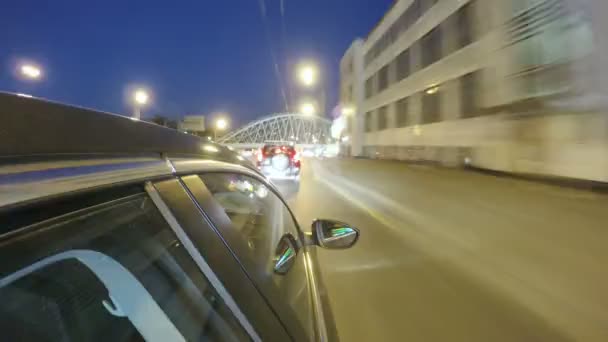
{"x": 458, "y": 255}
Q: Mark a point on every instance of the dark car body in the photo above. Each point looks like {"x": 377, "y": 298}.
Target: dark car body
{"x": 119, "y": 228}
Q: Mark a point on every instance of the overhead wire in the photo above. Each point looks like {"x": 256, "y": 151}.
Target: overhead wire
{"x": 284, "y": 41}
{"x": 277, "y": 69}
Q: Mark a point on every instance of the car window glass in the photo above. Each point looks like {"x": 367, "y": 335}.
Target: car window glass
{"x": 260, "y": 218}
{"x": 114, "y": 273}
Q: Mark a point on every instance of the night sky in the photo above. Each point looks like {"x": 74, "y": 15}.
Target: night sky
{"x": 197, "y": 57}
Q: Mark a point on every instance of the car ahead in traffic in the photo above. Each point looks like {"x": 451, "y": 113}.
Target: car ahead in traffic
{"x": 114, "y": 229}
{"x": 279, "y": 161}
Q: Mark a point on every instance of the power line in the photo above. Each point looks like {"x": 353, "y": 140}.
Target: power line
{"x": 273, "y": 55}
{"x": 284, "y": 43}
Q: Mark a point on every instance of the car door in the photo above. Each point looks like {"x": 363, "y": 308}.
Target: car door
{"x": 108, "y": 266}
{"x": 178, "y": 208}
{"x": 259, "y": 228}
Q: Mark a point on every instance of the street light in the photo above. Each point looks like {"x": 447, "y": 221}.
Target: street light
{"x": 31, "y": 71}
{"x": 307, "y": 74}
{"x": 308, "y": 109}
{"x": 141, "y": 98}
{"x": 221, "y": 124}
{"x": 346, "y": 111}
{"x": 432, "y": 90}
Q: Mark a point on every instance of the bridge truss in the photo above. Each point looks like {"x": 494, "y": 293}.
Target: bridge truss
{"x": 296, "y": 128}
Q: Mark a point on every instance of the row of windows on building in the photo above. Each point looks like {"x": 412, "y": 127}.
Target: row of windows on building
{"x": 430, "y": 106}
{"x": 432, "y": 49}
{"x": 402, "y": 24}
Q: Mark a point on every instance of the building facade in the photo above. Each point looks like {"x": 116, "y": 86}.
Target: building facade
{"x": 498, "y": 84}
{"x": 192, "y": 124}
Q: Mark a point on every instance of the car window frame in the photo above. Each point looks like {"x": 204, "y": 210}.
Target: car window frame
{"x": 198, "y": 259}
{"x": 207, "y": 243}
{"x": 79, "y": 209}
{"x": 214, "y": 211}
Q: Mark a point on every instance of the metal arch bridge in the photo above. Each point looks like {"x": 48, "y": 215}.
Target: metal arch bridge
{"x": 284, "y": 127}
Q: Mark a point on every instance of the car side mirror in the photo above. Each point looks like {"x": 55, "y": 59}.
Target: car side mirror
{"x": 333, "y": 234}
{"x": 285, "y": 255}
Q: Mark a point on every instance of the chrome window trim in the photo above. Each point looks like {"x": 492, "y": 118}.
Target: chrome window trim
{"x": 200, "y": 261}
{"x": 24, "y": 182}
{"x": 57, "y": 178}
{"x": 189, "y": 166}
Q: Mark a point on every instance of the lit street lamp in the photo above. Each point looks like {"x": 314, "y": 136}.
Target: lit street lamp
{"x": 30, "y": 71}
{"x": 141, "y": 98}
{"x": 308, "y": 109}
{"x": 346, "y": 111}
{"x": 221, "y": 124}
{"x": 307, "y": 75}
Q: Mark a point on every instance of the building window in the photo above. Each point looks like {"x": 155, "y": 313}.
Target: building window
{"x": 383, "y": 78}
{"x": 403, "y": 65}
{"x": 431, "y": 105}
{"x": 369, "y": 87}
{"x": 369, "y": 117}
{"x": 402, "y": 24}
{"x": 382, "y": 118}
{"x": 427, "y": 4}
{"x": 469, "y": 102}
{"x": 431, "y": 47}
{"x": 405, "y": 21}
{"x": 401, "y": 111}
{"x": 464, "y": 24}
{"x": 461, "y": 23}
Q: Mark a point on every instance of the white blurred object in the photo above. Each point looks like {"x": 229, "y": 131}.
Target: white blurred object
{"x": 331, "y": 151}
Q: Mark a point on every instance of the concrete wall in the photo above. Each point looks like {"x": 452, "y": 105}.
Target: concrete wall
{"x": 567, "y": 145}
{"x": 569, "y": 142}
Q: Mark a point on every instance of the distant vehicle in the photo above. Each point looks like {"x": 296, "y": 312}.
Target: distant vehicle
{"x": 279, "y": 161}
{"x": 131, "y": 231}
{"x": 248, "y": 152}
{"x": 308, "y": 152}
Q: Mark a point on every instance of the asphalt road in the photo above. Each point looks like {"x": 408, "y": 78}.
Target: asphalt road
{"x": 454, "y": 255}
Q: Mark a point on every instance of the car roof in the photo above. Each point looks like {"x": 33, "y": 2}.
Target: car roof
{"x": 36, "y": 127}
{"x": 278, "y": 145}
{"x": 48, "y": 148}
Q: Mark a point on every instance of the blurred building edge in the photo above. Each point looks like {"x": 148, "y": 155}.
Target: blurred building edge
{"x": 506, "y": 85}
{"x": 194, "y": 124}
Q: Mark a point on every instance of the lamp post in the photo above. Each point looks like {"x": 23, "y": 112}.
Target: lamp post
{"x": 308, "y": 109}
{"x": 140, "y": 98}
{"x": 308, "y": 76}
{"x": 221, "y": 124}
